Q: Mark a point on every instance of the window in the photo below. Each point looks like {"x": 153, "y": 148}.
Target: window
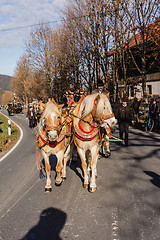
{"x": 132, "y": 91}
{"x": 149, "y": 89}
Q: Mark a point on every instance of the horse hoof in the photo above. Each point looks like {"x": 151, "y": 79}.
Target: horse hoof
{"x": 48, "y": 189}
{"x": 92, "y": 189}
{"x": 85, "y": 185}
{"x": 58, "y": 184}
{"x": 107, "y": 154}
{"x": 64, "y": 178}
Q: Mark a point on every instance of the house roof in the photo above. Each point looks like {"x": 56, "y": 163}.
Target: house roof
{"x": 152, "y": 33}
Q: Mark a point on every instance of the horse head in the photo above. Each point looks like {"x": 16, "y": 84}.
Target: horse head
{"x": 51, "y": 121}
{"x": 104, "y": 112}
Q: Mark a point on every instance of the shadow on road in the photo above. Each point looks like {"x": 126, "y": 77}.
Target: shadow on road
{"x": 155, "y": 178}
{"x": 75, "y": 166}
{"x": 140, "y": 140}
{"x": 49, "y": 227}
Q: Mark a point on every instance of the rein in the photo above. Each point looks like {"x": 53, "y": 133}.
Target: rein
{"x": 92, "y": 125}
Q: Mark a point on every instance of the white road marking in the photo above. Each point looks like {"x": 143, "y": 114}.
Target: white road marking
{"x": 9, "y": 209}
{"x": 17, "y": 143}
{"x": 115, "y": 224}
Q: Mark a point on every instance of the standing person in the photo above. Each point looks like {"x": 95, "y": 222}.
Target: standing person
{"x": 154, "y": 112}
{"x": 124, "y": 116}
{"x": 135, "y": 106}
{"x": 100, "y": 88}
{"x": 152, "y": 108}
{"x": 64, "y": 99}
{"x": 31, "y": 116}
{"x": 71, "y": 98}
{"x": 76, "y": 96}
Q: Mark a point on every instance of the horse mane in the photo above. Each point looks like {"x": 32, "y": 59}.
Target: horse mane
{"x": 50, "y": 107}
{"x": 86, "y": 106}
{"x": 88, "y": 103}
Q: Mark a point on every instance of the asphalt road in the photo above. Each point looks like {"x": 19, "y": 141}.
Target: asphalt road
{"x": 126, "y": 205}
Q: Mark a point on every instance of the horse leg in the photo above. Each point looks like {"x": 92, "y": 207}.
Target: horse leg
{"x": 108, "y": 153}
{"x": 48, "y": 186}
{"x": 94, "y": 153}
{"x": 71, "y": 150}
{"x": 59, "y": 168}
{"x": 84, "y": 167}
{"x": 66, "y": 158}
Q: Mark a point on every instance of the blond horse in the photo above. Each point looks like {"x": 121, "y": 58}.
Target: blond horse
{"x": 94, "y": 110}
{"x": 53, "y": 137}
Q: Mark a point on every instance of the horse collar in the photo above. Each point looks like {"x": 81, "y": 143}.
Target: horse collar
{"x": 80, "y": 127}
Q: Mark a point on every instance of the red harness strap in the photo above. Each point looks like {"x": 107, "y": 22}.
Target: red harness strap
{"x": 80, "y": 127}
{"x": 50, "y": 143}
{"x": 85, "y": 139}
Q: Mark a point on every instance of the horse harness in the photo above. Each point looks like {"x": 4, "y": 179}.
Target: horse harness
{"x": 81, "y": 134}
{"x": 63, "y": 135}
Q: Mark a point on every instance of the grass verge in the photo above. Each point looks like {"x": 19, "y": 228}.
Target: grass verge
{"x": 7, "y": 141}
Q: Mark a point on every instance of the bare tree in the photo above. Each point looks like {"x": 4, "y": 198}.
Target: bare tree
{"x": 141, "y": 14}
{"x": 21, "y": 77}
{"x": 39, "y": 48}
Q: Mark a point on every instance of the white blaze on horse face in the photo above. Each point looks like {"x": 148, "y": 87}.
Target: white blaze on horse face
{"x": 53, "y": 123}
{"x": 112, "y": 121}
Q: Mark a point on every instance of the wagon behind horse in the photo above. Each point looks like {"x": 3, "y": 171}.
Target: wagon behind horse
{"x": 94, "y": 110}
{"x": 53, "y": 137}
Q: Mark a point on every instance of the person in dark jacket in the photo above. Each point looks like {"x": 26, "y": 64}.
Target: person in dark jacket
{"x": 64, "y": 99}
{"x": 76, "y": 96}
{"x": 135, "y": 106}
{"x": 124, "y": 115}
{"x": 153, "y": 108}
{"x": 31, "y": 116}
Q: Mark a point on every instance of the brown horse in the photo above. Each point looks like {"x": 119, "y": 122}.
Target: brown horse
{"x": 94, "y": 111}
{"x": 53, "y": 137}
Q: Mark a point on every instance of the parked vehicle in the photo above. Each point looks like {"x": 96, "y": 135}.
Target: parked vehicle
{"x": 14, "y": 108}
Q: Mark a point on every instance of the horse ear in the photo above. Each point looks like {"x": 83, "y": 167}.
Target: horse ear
{"x": 52, "y": 100}
{"x": 60, "y": 106}
{"x": 43, "y": 105}
{"x": 107, "y": 95}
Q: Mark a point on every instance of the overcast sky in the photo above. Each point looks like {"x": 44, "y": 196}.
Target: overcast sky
{"x": 21, "y": 13}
